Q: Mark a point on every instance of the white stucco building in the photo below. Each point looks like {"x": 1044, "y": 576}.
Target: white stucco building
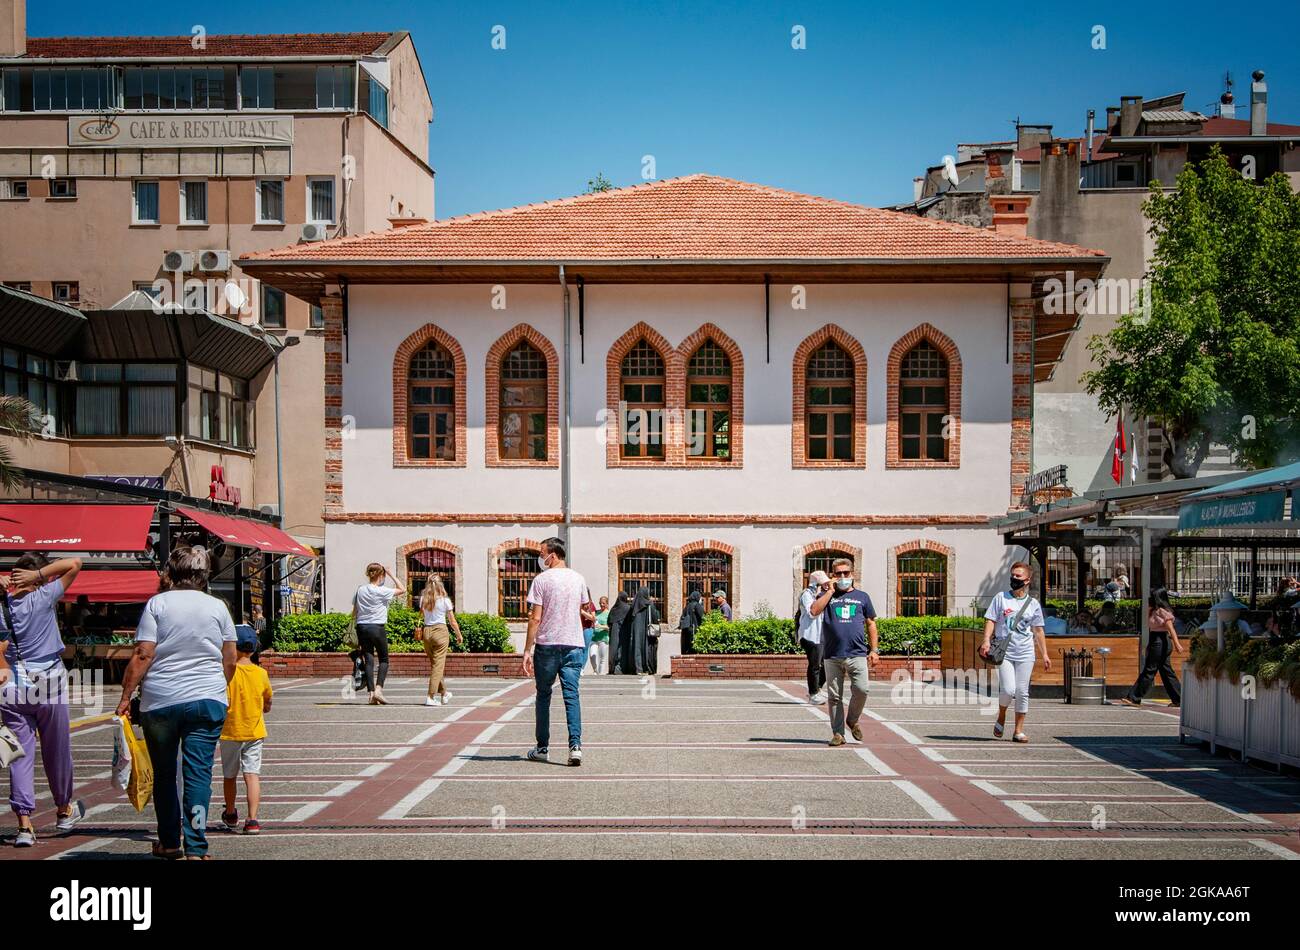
{"x": 751, "y": 381}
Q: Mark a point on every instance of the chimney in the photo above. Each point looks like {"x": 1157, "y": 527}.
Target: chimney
{"x": 918, "y": 188}
{"x": 13, "y": 27}
{"x": 1057, "y": 213}
{"x": 1010, "y": 214}
{"x": 1258, "y": 104}
{"x": 1130, "y": 114}
{"x": 1027, "y": 136}
{"x": 1111, "y": 112}
{"x": 405, "y": 222}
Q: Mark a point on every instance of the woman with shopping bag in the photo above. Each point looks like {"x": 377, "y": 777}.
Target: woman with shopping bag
{"x": 184, "y": 657}
{"x": 34, "y": 697}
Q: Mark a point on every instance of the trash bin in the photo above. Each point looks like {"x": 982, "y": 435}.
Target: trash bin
{"x": 1075, "y": 664}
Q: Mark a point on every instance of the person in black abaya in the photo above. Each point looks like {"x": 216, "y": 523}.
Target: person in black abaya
{"x": 639, "y": 646}
{"x": 618, "y": 615}
{"x": 692, "y": 617}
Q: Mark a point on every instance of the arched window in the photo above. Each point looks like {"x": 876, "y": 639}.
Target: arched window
{"x": 522, "y": 426}
{"x": 431, "y": 404}
{"x": 821, "y": 561}
{"x": 923, "y": 404}
{"x": 642, "y": 395}
{"x": 648, "y": 568}
{"x": 708, "y": 403}
{"x": 420, "y": 564}
{"x": 922, "y": 584}
{"x": 706, "y": 571}
{"x": 829, "y": 404}
{"x": 516, "y": 569}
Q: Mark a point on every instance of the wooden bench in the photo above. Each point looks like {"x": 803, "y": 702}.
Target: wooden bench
{"x": 960, "y": 651}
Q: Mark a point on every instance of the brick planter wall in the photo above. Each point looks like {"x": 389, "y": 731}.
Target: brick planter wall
{"x": 781, "y": 666}
{"x": 508, "y": 665}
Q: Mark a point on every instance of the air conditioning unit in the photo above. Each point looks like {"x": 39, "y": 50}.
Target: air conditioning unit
{"x": 178, "y": 261}
{"x": 313, "y": 232}
{"x": 214, "y": 262}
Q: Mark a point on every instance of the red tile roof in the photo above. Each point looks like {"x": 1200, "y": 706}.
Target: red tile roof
{"x": 695, "y": 218}
{"x": 1219, "y": 126}
{"x": 289, "y": 44}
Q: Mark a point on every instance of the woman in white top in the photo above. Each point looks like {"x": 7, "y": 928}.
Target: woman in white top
{"x": 1017, "y": 616}
{"x": 437, "y": 609}
{"x": 370, "y": 611}
{"x": 184, "y": 657}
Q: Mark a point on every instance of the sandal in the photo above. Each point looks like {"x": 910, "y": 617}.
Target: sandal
{"x": 1020, "y": 737}
{"x": 997, "y": 730}
{"x": 168, "y": 854}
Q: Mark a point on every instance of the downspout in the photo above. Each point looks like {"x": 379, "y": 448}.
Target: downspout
{"x": 565, "y": 474}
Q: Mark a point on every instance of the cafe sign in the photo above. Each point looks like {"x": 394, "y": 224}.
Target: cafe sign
{"x": 154, "y": 130}
{"x": 1225, "y": 512}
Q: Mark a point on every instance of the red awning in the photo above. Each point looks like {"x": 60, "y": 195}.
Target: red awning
{"x": 114, "y": 587}
{"x": 245, "y": 533}
{"x": 64, "y": 526}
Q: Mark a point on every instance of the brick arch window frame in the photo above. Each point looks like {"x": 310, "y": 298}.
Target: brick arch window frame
{"x": 893, "y": 383}
{"x": 435, "y": 544}
{"x": 799, "y": 398}
{"x": 494, "y": 555}
{"x": 685, "y": 350}
{"x": 920, "y": 544}
{"x": 429, "y": 333}
{"x": 492, "y": 398}
{"x": 674, "y": 390}
{"x": 711, "y": 544}
{"x": 671, "y": 607}
{"x": 850, "y": 551}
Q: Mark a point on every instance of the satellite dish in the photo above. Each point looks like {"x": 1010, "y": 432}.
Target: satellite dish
{"x": 950, "y": 170}
{"x": 235, "y": 296}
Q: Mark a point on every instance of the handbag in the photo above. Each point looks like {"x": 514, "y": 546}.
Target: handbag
{"x": 998, "y": 648}
{"x": 10, "y": 747}
{"x": 588, "y": 622}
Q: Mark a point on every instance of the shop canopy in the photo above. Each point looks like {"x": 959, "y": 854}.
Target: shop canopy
{"x": 1253, "y": 500}
{"x": 63, "y": 526}
{"x": 246, "y": 533}
{"x": 113, "y": 587}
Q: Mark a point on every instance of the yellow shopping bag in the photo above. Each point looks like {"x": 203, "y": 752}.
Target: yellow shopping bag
{"x": 132, "y": 770}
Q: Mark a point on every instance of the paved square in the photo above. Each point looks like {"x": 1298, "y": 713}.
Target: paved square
{"x": 710, "y": 769}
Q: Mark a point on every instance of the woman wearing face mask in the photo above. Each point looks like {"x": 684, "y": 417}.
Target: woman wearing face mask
{"x": 1017, "y": 616}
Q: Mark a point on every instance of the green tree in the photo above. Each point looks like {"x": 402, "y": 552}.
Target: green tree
{"x": 599, "y": 183}
{"x": 18, "y": 417}
{"x": 1216, "y": 354}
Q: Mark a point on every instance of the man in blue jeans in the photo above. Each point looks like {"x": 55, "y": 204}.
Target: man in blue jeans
{"x": 558, "y": 601}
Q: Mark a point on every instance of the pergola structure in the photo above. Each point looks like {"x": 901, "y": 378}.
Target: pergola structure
{"x": 1198, "y": 516}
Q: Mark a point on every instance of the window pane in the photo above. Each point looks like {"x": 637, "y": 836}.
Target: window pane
{"x": 97, "y": 410}
{"x": 146, "y": 201}
{"x": 817, "y": 424}
{"x": 150, "y": 372}
{"x": 911, "y": 423}
{"x": 196, "y": 200}
{"x": 817, "y": 448}
{"x": 272, "y": 198}
{"x": 937, "y": 448}
{"x": 184, "y": 88}
{"x": 151, "y": 410}
{"x": 420, "y": 423}
{"x": 322, "y": 200}
{"x": 272, "y": 307}
{"x": 842, "y": 395}
{"x": 324, "y": 87}
{"x": 720, "y": 393}
{"x": 698, "y": 393}
{"x": 422, "y": 395}
{"x": 99, "y": 372}
{"x": 843, "y": 449}
{"x": 843, "y": 424}
{"x": 654, "y": 393}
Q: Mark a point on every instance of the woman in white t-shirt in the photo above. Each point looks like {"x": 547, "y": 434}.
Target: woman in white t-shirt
{"x": 184, "y": 657}
{"x": 1014, "y": 614}
{"x": 438, "y": 613}
{"x": 370, "y": 611}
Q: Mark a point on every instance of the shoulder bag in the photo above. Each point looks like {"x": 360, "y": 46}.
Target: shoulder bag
{"x": 998, "y": 648}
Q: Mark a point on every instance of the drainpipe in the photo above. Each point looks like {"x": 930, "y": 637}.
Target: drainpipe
{"x": 565, "y": 472}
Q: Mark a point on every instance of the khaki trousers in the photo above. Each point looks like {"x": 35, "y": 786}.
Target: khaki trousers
{"x": 856, "y": 670}
{"x": 437, "y": 641}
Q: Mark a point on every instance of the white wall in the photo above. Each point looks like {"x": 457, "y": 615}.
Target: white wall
{"x": 974, "y": 316}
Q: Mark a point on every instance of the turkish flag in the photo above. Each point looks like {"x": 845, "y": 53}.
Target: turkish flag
{"x": 1117, "y": 455}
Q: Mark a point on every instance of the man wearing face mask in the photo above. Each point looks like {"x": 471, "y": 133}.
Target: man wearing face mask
{"x": 1016, "y": 615}
{"x": 558, "y": 602}
{"x": 848, "y": 617}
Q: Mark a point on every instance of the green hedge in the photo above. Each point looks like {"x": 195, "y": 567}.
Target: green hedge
{"x": 323, "y": 633}
{"x": 1247, "y": 656}
{"x": 777, "y": 634}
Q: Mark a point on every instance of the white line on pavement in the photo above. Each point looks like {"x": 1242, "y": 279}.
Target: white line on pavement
{"x": 925, "y": 800}
{"x": 1274, "y": 848}
{"x": 1026, "y": 811}
{"x": 429, "y": 786}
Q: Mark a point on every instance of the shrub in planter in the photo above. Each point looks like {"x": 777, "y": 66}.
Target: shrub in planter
{"x": 1242, "y": 656}
{"x": 778, "y": 635}
{"x": 323, "y": 633}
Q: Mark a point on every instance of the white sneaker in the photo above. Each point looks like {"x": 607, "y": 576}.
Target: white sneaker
{"x": 432, "y": 701}
{"x": 817, "y": 699}
{"x": 25, "y": 839}
{"x": 69, "y": 821}
{"x": 446, "y": 699}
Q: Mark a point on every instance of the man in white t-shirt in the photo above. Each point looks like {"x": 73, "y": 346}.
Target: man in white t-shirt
{"x": 558, "y": 602}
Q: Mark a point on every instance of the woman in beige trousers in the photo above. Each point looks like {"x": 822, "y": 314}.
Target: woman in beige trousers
{"x": 438, "y": 613}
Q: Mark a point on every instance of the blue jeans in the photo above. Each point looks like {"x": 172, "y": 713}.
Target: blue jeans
{"x": 566, "y": 663}
{"x": 587, "y": 634}
{"x": 194, "y": 728}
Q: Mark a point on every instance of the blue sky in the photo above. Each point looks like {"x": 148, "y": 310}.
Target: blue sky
{"x": 881, "y": 91}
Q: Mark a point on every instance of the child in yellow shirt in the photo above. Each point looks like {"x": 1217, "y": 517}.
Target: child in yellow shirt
{"x": 249, "y": 695}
